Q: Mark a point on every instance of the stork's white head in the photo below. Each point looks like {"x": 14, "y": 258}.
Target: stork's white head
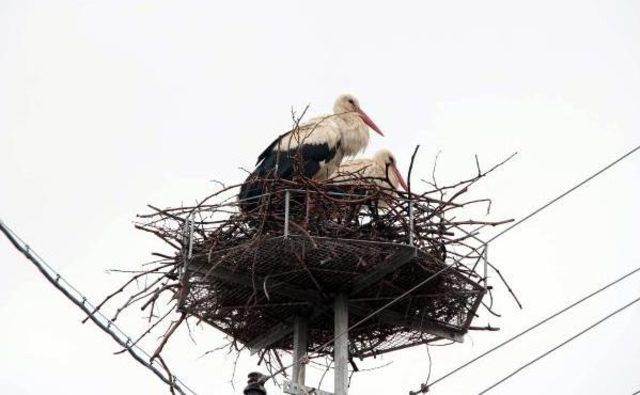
{"x": 385, "y": 159}
{"x": 349, "y": 104}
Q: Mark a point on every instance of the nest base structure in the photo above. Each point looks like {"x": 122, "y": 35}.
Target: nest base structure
{"x": 312, "y": 268}
{"x": 261, "y": 290}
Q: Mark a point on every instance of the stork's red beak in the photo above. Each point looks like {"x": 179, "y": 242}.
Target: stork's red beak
{"x": 396, "y": 172}
{"x": 369, "y": 122}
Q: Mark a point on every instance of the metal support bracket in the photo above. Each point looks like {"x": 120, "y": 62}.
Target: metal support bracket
{"x": 297, "y": 389}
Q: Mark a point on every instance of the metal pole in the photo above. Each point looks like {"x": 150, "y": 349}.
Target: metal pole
{"x": 410, "y": 222}
{"x": 191, "y": 224}
{"x": 187, "y": 244}
{"x": 341, "y": 345}
{"x": 486, "y": 259}
{"x": 300, "y": 333}
{"x": 286, "y": 213}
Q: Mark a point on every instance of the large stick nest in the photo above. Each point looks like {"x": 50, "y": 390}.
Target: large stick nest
{"x": 249, "y": 269}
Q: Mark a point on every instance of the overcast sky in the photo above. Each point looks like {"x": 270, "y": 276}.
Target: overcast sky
{"x": 106, "y": 106}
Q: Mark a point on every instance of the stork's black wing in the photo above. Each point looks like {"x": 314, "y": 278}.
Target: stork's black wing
{"x": 309, "y": 157}
{"x": 270, "y": 148}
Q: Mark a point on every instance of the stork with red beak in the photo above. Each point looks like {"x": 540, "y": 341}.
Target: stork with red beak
{"x": 315, "y": 148}
{"x": 381, "y": 170}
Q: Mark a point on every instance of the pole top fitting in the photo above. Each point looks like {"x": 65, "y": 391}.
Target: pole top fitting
{"x": 255, "y": 384}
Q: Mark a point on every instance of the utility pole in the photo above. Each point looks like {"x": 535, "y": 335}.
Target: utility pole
{"x": 300, "y": 343}
{"x": 341, "y": 345}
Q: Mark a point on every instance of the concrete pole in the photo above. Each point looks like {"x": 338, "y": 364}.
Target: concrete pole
{"x": 300, "y": 336}
{"x": 341, "y": 345}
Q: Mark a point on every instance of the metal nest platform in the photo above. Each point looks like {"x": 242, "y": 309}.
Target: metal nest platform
{"x": 252, "y": 269}
{"x": 255, "y": 291}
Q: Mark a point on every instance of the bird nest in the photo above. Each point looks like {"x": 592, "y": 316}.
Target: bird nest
{"x": 412, "y": 271}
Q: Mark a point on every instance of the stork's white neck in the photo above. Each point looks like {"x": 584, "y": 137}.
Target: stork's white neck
{"x": 354, "y": 134}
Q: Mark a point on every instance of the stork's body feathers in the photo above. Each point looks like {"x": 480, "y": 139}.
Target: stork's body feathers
{"x": 363, "y": 170}
{"x": 381, "y": 170}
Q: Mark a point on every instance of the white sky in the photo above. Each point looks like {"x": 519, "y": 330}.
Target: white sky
{"x": 108, "y": 106}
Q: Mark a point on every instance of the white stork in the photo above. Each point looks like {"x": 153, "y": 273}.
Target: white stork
{"x": 381, "y": 170}
{"x": 316, "y": 147}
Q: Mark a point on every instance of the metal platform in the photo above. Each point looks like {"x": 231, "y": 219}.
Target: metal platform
{"x": 264, "y": 287}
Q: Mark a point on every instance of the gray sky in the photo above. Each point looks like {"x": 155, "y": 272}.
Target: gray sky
{"x": 108, "y": 106}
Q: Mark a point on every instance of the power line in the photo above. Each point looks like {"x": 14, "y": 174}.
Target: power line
{"x": 529, "y": 329}
{"x": 578, "y": 185}
{"x": 529, "y": 216}
{"x": 582, "y": 332}
{"x": 104, "y": 323}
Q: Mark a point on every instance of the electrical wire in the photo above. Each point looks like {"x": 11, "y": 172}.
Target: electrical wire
{"x": 536, "y": 211}
{"x": 98, "y": 318}
{"x": 539, "y": 323}
{"x": 582, "y": 332}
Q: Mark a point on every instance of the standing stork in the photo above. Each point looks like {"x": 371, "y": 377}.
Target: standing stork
{"x": 381, "y": 170}
{"x": 315, "y": 149}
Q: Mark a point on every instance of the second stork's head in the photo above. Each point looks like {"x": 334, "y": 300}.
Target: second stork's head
{"x": 385, "y": 159}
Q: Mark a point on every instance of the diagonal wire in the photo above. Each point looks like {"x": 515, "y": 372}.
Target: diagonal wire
{"x": 529, "y": 329}
{"x": 582, "y": 332}
{"x": 98, "y": 318}
{"x": 552, "y": 201}
{"x": 538, "y": 210}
